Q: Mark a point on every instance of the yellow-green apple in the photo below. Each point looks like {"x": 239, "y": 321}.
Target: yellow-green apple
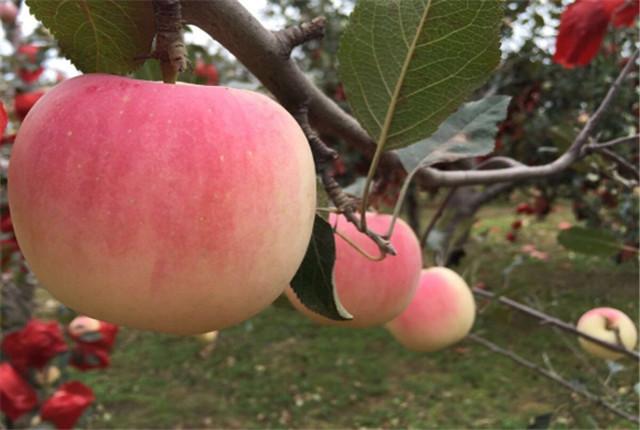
{"x": 441, "y": 313}
{"x": 208, "y": 337}
{"x": 609, "y": 325}
{"x": 374, "y": 292}
{"x": 176, "y": 208}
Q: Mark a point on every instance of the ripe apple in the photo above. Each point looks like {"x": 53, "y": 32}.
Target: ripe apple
{"x": 208, "y": 337}
{"x": 83, "y": 324}
{"x": 374, "y": 292}
{"x": 610, "y": 325}
{"x": 176, "y": 208}
{"x": 441, "y": 312}
{"x": 8, "y": 12}
{"x": 23, "y": 102}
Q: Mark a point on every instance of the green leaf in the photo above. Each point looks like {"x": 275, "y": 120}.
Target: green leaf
{"x": 322, "y": 199}
{"x": 589, "y": 241}
{"x": 406, "y": 65}
{"x": 99, "y": 35}
{"x": 314, "y": 283}
{"x": 470, "y": 132}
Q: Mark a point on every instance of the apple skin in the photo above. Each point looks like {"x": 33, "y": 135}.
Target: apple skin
{"x": 441, "y": 313}
{"x": 374, "y": 292}
{"x": 176, "y": 208}
{"x": 601, "y": 323}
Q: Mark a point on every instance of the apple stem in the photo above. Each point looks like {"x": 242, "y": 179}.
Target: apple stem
{"x": 323, "y": 157}
{"x": 170, "y": 49}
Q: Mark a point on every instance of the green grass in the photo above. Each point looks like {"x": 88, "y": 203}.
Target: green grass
{"x": 280, "y": 370}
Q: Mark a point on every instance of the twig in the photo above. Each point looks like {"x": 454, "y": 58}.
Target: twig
{"x": 553, "y": 376}
{"x": 614, "y": 142}
{"x": 436, "y": 216}
{"x": 483, "y": 165}
{"x": 323, "y": 155}
{"x": 550, "y": 320}
{"x": 610, "y": 155}
{"x": 297, "y": 35}
{"x": 170, "y": 49}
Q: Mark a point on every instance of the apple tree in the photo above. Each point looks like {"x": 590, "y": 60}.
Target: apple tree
{"x": 120, "y": 187}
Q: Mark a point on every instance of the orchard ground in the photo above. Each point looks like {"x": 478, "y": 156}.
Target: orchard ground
{"x": 281, "y": 370}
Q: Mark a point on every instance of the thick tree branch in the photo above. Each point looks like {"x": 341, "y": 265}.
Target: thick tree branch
{"x": 552, "y": 376}
{"x": 264, "y": 54}
{"x": 550, "y": 320}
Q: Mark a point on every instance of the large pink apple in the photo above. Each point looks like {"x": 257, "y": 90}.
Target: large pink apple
{"x": 176, "y": 208}
{"x": 610, "y": 325}
{"x": 374, "y": 292}
{"x": 441, "y": 312}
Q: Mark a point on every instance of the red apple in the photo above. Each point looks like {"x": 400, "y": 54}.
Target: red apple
{"x": 610, "y": 325}
{"x": 441, "y": 313}
{"x": 374, "y": 292}
{"x": 176, "y": 208}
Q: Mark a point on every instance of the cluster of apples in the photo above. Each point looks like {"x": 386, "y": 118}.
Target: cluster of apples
{"x": 128, "y": 197}
{"x": 187, "y": 209}
{"x": 424, "y": 309}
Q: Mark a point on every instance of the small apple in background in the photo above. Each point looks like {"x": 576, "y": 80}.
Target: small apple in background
{"x": 82, "y": 324}
{"x": 374, "y": 292}
{"x": 441, "y": 313}
{"x": 131, "y": 196}
{"x": 511, "y": 236}
{"x": 47, "y": 375}
{"x": 208, "y": 337}
{"x": 610, "y": 325}
{"x": 208, "y": 72}
{"x": 8, "y": 12}
{"x": 23, "y": 102}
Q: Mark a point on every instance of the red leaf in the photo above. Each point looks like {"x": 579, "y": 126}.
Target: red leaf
{"x": 16, "y": 396}
{"x": 622, "y": 12}
{"x": 208, "y": 72}
{"x": 87, "y": 357}
{"x": 23, "y": 102}
{"x": 4, "y": 119}
{"x": 67, "y": 404}
{"x": 34, "y": 345}
{"x": 582, "y": 28}
{"x": 83, "y": 330}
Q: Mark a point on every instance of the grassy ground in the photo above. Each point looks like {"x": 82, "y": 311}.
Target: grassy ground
{"x": 280, "y": 370}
